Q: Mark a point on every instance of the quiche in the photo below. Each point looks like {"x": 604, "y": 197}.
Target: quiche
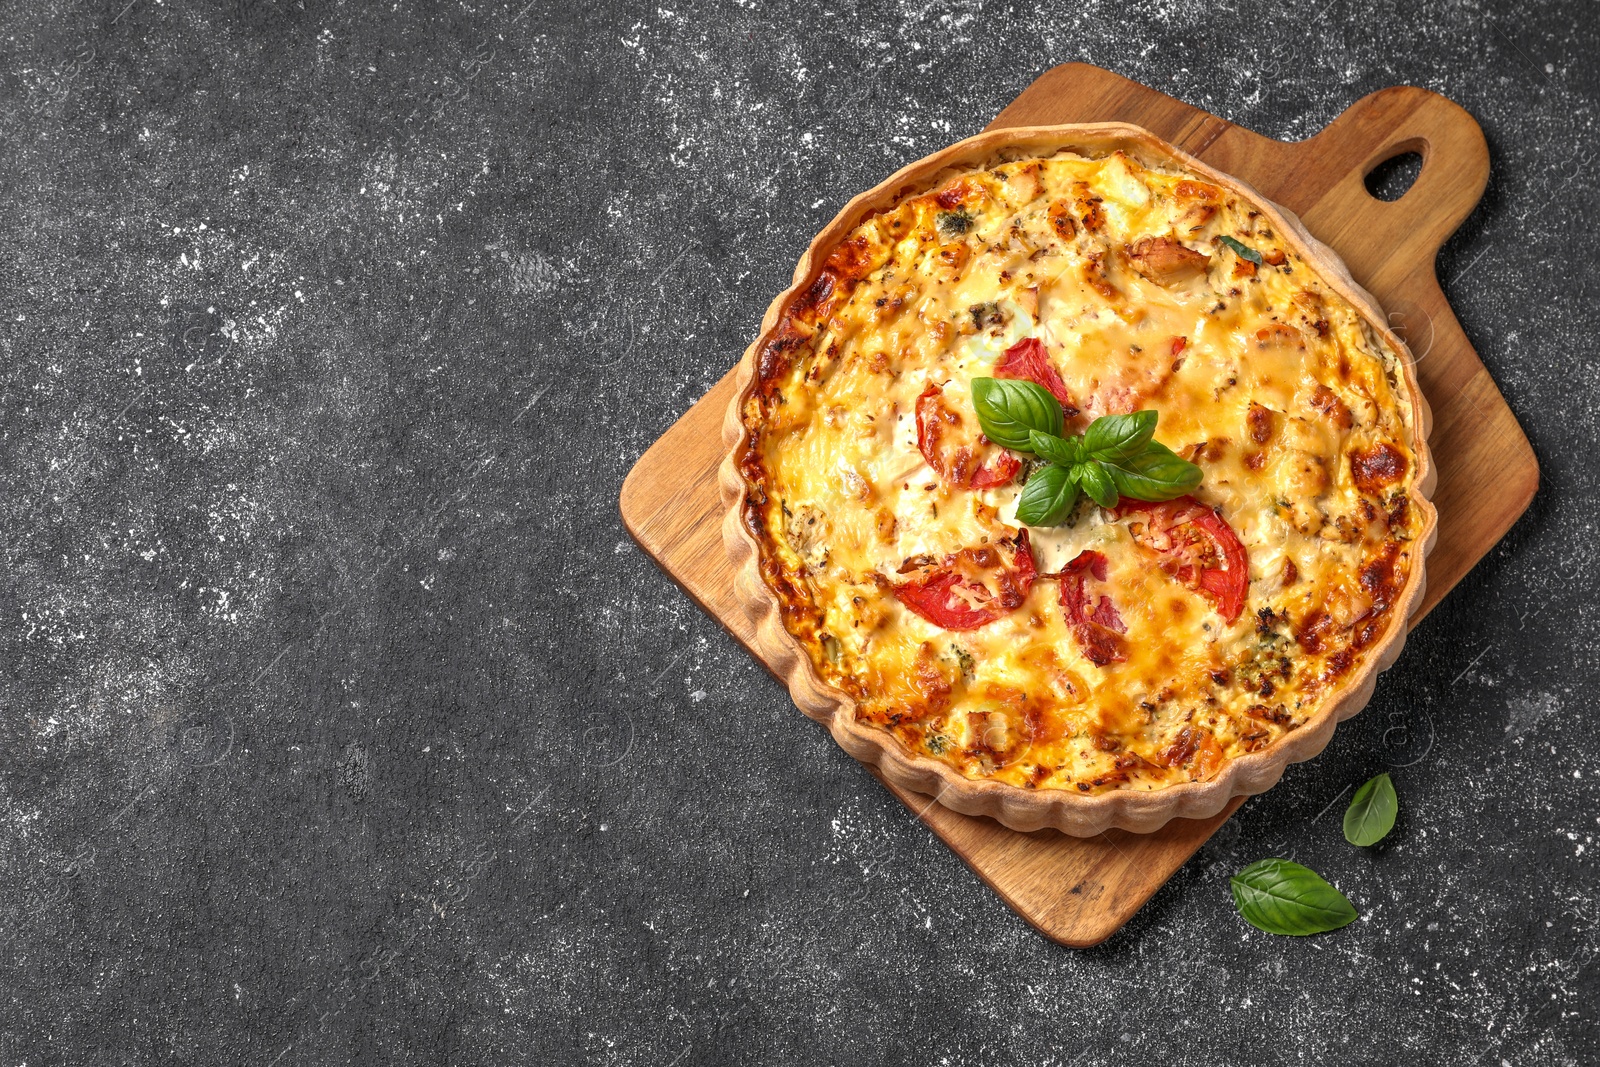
{"x": 1125, "y": 664}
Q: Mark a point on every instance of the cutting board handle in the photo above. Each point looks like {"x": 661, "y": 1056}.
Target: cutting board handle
{"x": 1389, "y": 123}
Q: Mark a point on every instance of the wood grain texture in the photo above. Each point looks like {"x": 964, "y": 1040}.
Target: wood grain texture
{"x": 1080, "y": 891}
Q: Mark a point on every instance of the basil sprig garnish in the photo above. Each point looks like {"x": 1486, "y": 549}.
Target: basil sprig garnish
{"x": 1064, "y": 451}
{"x": 1242, "y": 250}
{"x": 1151, "y": 474}
{"x": 1282, "y": 897}
{"x": 1120, "y": 436}
{"x": 1008, "y": 410}
{"x": 1048, "y": 498}
{"x": 1371, "y": 814}
{"x": 1117, "y": 456}
{"x": 1097, "y": 482}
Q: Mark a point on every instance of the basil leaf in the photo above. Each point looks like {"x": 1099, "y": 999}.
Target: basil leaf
{"x": 1242, "y": 250}
{"x": 1007, "y": 409}
{"x": 1048, "y": 497}
{"x": 1282, "y": 897}
{"x": 1062, "y": 450}
{"x": 1119, "y": 435}
{"x": 1157, "y": 473}
{"x": 1371, "y": 814}
{"x": 1095, "y": 480}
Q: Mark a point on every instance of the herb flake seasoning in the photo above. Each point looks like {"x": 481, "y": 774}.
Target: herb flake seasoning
{"x": 952, "y": 224}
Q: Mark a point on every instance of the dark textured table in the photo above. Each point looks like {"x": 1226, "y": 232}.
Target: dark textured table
{"x": 344, "y": 724}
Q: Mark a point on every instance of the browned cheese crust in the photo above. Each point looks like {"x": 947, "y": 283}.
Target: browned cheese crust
{"x": 1276, "y": 385}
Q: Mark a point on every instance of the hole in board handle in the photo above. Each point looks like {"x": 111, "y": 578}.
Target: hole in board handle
{"x": 1393, "y": 178}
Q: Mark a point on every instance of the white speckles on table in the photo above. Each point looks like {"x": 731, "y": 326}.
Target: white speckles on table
{"x": 344, "y": 725}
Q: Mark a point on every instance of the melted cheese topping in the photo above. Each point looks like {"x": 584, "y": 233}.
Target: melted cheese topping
{"x": 1263, "y": 375}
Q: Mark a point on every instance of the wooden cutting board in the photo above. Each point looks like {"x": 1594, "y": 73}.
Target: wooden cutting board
{"x": 1080, "y": 891}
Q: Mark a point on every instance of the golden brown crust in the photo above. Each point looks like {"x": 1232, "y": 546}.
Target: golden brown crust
{"x": 820, "y": 281}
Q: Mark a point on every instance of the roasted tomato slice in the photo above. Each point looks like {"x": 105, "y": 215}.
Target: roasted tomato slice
{"x": 957, "y": 464}
{"x": 1096, "y": 624}
{"x": 1028, "y": 361}
{"x": 998, "y": 471}
{"x": 1196, "y": 546}
{"x": 973, "y": 587}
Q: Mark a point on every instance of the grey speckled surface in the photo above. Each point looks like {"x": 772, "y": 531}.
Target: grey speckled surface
{"x": 344, "y": 724}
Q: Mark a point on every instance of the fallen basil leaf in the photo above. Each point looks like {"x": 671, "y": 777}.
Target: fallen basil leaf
{"x": 1371, "y": 814}
{"x": 1282, "y": 897}
{"x": 1048, "y": 497}
{"x": 1242, "y": 250}
{"x": 1114, "y": 436}
{"x": 1095, "y": 481}
{"x": 1007, "y": 409}
{"x": 1062, "y": 450}
{"x": 1157, "y": 473}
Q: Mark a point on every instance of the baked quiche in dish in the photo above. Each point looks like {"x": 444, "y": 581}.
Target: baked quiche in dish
{"x": 1074, "y": 484}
